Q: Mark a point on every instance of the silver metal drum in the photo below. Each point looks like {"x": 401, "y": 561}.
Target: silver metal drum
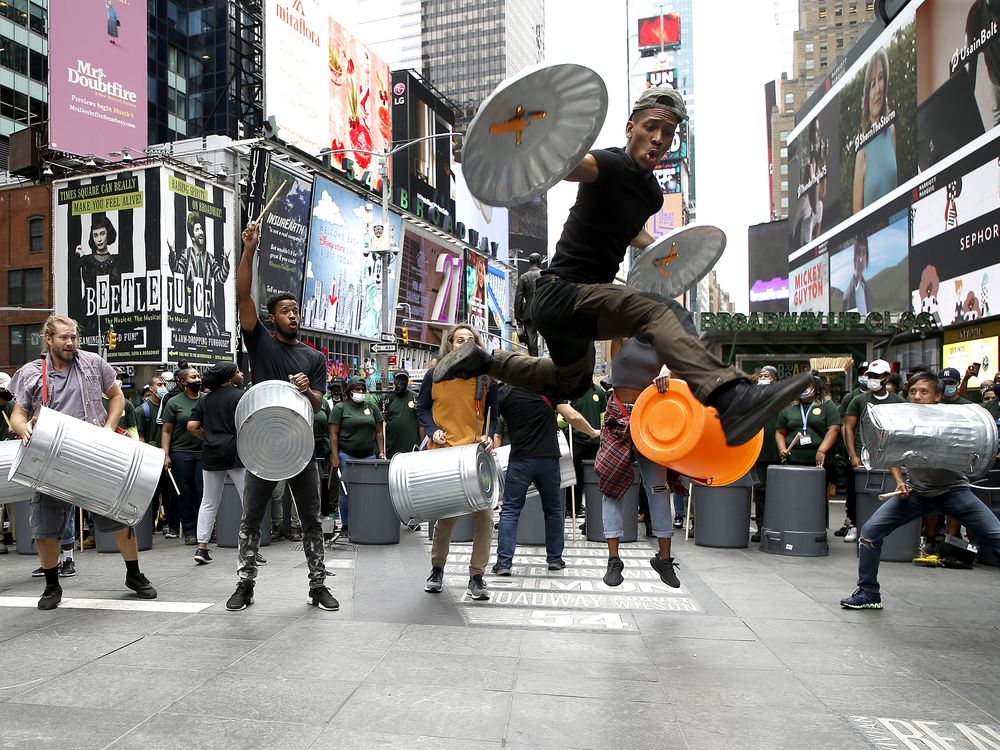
{"x": 11, "y": 492}
{"x": 441, "y": 483}
{"x": 567, "y": 472}
{"x": 274, "y": 430}
{"x": 108, "y": 474}
{"x": 960, "y": 437}
{"x": 532, "y": 131}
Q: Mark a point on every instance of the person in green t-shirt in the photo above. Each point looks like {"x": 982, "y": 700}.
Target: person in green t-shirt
{"x": 402, "y": 428}
{"x": 355, "y": 432}
{"x": 817, "y": 423}
{"x": 878, "y": 376}
{"x": 591, "y": 405}
{"x": 764, "y": 378}
{"x": 183, "y": 451}
{"x": 129, "y": 421}
{"x": 951, "y": 380}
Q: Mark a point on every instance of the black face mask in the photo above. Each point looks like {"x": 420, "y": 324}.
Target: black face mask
{"x": 400, "y": 386}
{"x": 336, "y": 396}
{"x": 193, "y": 386}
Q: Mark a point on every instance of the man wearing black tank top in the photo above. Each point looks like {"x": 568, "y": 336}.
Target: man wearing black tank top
{"x": 577, "y": 302}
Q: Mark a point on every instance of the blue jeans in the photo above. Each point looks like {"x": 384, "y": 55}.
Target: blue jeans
{"x": 654, "y": 479}
{"x": 343, "y": 477}
{"x": 69, "y": 533}
{"x": 957, "y": 503}
{"x": 521, "y": 473}
{"x": 187, "y": 471}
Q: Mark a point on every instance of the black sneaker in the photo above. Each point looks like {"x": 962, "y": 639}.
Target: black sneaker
{"x": 435, "y": 581}
{"x": 557, "y": 564}
{"x": 842, "y": 531}
{"x": 68, "y": 568}
{"x": 322, "y": 598}
{"x": 501, "y": 570}
{"x": 477, "y": 589}
{"x": 242, "y": 597}
{"x": 666, "y": 570}
{"x": 467, "y": 361}
{"x": 202, "y": 557}
{"x": 141, "y": 586}
{"x": 39, "y": 572}
{"x": 295, "y": 535}
{"x": 678, "y": 521}
{"x": 261, "y": 559}
{"x": 755, "y": 538}
{"x": 277, "y": 534}
{"x": 170, "y": 534}
{"x": 50, "y": 597}
{"x": 190, "y": 540}
{"x": 862, "y": 599}
{"x": 614, "y": 577}
{"x": 749, "y": 407}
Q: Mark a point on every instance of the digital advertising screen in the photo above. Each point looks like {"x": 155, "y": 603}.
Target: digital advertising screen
{"x": 660, "y": 32}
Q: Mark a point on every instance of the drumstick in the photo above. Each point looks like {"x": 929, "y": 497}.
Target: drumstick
{"x": 887, "y": 495}
{"x": 173, "y": 481}
{"x": 572, "y": 489}
{"x": 279, "y": 191}
{"x": 7, "y": 420}
{"x": 340, "y": 478}
{"x": 791, "y": 445}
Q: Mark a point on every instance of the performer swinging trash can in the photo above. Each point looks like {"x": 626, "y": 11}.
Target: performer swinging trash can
{"x": 722, "y": 514}
{"x": 373, "y": 519}
{"x": 795, "y": 513}
{"x": 902, "y": 544}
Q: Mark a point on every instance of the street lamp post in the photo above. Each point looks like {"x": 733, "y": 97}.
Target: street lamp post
{"x": 385, "y": 243}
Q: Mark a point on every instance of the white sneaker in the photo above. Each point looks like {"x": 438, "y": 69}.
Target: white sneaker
{"x": 852, "y": 535}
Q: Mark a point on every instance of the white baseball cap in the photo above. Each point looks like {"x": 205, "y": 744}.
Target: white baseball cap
{"x": 879, "y": 367}
{"x": 4, "y": 380}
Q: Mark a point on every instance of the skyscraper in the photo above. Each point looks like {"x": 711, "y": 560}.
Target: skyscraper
{"x": 826, "y": 30}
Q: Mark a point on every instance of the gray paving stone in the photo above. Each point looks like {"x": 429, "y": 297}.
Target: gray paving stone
{"x": 563, "y": 684}
{"x": 804, "y": 658}
{"x": 688, "y": 652}
{"x": 172, "y": 731}
{"x": 20, "y": 676}
{"x": 337, "y": 739}
{"x": 667, "y": 625}
{"x": 26, "y": 726}
{"x": 306, "y": 661}
{"x": 753, "y": 729}
{"x": 697, "y": 687}
{"x": 346, "y": 635}
{"x": 101, "y": 686}
{"x": 460, "y": 713}
{"x": 445, "y": 670}
{"x": 591, "y": 723}
{"x": 551, "y": 644}
{"x": 258, "y": 628}
{"x": 177, "y": 652}
{"x": 461, "y": 640}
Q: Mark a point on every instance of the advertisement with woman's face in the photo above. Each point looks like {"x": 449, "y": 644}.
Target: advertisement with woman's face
{"x": 878, "y": 121}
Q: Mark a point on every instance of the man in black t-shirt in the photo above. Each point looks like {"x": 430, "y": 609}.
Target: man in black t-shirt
{"x": 534, "y": 459}
{"x": 577, "y": 303}
{"x": 279, "y": 357}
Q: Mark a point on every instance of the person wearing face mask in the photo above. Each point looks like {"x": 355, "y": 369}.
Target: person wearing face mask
{"x": 183, "y": 451}
{"x": 355, "y": 433}
{"x": 402, "y": 428}
{"x": 951, "y": 381}
{"x": 768, "y": 455}
{"x": 878, "y": 377}
{"x": 992, "y": 402}
{"x": 816, "y": 422}
{"x": 150, "y": 430}
{"x": 862, "y": 387}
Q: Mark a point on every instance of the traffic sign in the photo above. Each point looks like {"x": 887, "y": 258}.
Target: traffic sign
{"x": 384, "y": 348}
{"x": 389, "y": 338}
{"x": 392, "y": 360}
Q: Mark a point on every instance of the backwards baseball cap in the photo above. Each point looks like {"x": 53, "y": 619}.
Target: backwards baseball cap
{"x": 4, "y": 381}
{"x": 879, "y": 367}
{"x": 950, "y": 373}
{"x": 662, "y": 96}
{"x": 770, "y": 370}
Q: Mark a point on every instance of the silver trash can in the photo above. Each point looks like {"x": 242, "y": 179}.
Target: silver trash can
{"x": 22, "y": 522}
{"x": 795, "y": 512}
{"x": 373, "y": 519}
{"x": 230, "y": 515}
{"x": 594, "y": 501}
{"x": 723, "y": 514}
{"x": 105, "y": 542}
{"x": 902, "y": 544}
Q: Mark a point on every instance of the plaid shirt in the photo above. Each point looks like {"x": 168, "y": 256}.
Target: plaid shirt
{"x": 613, "y": 463}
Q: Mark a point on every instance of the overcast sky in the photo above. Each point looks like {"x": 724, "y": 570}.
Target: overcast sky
{"x": 736, "y": 53}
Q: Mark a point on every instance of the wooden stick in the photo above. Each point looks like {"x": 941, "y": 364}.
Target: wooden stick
{"x": 887, "y": 495}
{"x": 173, "y": 482}
{"x": 279, "y": 191}
{"x": 687, "y": 520}
{"x": 6, "y": 419}
{"x": 572, "y": 489}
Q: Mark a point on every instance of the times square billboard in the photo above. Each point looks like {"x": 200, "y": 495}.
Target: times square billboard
{"x": 324, "y": 88}
{"x": 894, "y": 173}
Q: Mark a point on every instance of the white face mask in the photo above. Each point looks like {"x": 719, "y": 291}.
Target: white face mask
{"x": 875, "y": 384}
{"x": 764, "y": 381}
{"x": 807, "y": 394}
{"x": 161, "y": 391}
{"x": 863, "y": 381}
{"x": 357, "y": 397}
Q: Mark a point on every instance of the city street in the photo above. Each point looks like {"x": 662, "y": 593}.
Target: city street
{"x": 753, "y": 651}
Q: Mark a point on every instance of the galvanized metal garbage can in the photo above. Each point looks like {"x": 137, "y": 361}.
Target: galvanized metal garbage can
{"x": 795, "y": 512}
{"x": 723, "y": 514}
{"x": 595, "y": 506}
{"x": 902, "y": 544}
{"x": 372, "y": 517}
{"x": 105, "y": 541}
{"x": 227, "y": 521}
{"x": 22, "y": 522}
